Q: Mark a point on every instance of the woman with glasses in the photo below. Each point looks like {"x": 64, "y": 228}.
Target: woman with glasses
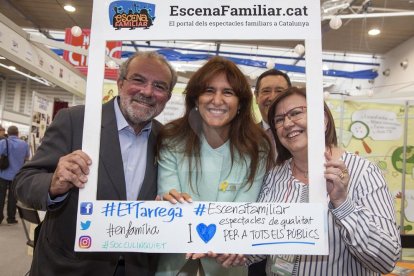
{"x": 363, "y": 236}
{"x": 215, "y": 152}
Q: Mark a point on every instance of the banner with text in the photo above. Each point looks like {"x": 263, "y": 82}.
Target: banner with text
{"x": 221, "y": 227}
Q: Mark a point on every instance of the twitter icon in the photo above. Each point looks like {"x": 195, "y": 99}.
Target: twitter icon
{"x": 85, "y": 225}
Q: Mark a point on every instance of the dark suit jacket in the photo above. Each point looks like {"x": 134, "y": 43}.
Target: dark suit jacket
{"x": 54, "y": 252}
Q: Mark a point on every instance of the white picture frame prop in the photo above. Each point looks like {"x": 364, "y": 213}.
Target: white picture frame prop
{"x": 204, "y": 20}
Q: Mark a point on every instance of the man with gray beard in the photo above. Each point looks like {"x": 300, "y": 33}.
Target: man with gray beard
{"x": 127, "y": 170}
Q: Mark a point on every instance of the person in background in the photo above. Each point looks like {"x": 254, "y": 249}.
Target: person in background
{"x": 215, "y": 152}
{"x": 269, "y": 85}
{"x": 2, "y": 132}
{"x": 363, "y": 235}
{"x": 127, "y": 170}
{"x": 18, "y": 152}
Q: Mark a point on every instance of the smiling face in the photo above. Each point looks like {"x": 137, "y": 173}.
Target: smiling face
{"x": 218, "y": 105}
{"x": 270, "y": 87}
{"x": 292, "y": 134}
{"x": 140, "y": 100}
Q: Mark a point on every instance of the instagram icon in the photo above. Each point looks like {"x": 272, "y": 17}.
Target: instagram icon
{"x": 85, "y": 241}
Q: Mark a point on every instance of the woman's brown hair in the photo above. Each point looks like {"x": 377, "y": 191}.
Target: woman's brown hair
{"x": 245, "y": 136}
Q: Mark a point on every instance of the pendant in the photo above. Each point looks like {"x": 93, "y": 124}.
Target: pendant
{"x": 223, "y": 186}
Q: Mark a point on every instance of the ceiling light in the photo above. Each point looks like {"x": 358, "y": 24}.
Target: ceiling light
{"x": 76, "y": 31}
{"x": 299, "y": 49}
{"x": 270, "y": 64}
{"x": 69, "y": 8}
{"x": 1, "y": 57}
{"x": 335, "y": 23}
{"x": 404, "y": 64}
{"x": 111, "y": 64}
{"x": 374, "y": 31}
{"x": 35, "y": 78}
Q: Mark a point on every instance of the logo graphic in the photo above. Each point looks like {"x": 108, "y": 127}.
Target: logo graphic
{"x": 85, "y": 241}
{"x": 86, "y": 208}
{"x": 205, "y": 232}
{"x": 131, "y": 14}
{"x": 85, "y": 225}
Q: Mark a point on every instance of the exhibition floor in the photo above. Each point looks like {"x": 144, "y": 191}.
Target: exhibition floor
{"x": 14, "y": 253}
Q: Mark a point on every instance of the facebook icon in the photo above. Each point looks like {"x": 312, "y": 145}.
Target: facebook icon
{"x": 86, "y": 208}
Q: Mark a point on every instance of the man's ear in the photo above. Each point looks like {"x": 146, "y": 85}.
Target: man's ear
{"x": 119, "y": 83}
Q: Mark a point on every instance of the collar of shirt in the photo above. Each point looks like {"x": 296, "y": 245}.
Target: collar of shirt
{"x": 134, "y": 153}
{"x": 265, "y": 125}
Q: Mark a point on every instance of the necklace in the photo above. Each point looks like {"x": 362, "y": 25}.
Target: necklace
{"x": 294, "y": 167}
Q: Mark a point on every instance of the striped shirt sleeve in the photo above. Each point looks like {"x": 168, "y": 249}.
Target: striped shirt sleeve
{"x": 366, "y": 220}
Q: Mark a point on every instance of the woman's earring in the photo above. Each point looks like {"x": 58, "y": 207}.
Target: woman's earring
{"x": 196, "y": 108}
{"x": 238, "y": 111}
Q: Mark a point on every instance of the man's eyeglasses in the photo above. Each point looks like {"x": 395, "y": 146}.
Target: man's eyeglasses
{"x": 294, "y": 114}
{"x": 140, "y": 82}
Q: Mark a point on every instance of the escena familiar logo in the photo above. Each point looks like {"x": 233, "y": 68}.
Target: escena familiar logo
{"x": 131, "y": 14}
